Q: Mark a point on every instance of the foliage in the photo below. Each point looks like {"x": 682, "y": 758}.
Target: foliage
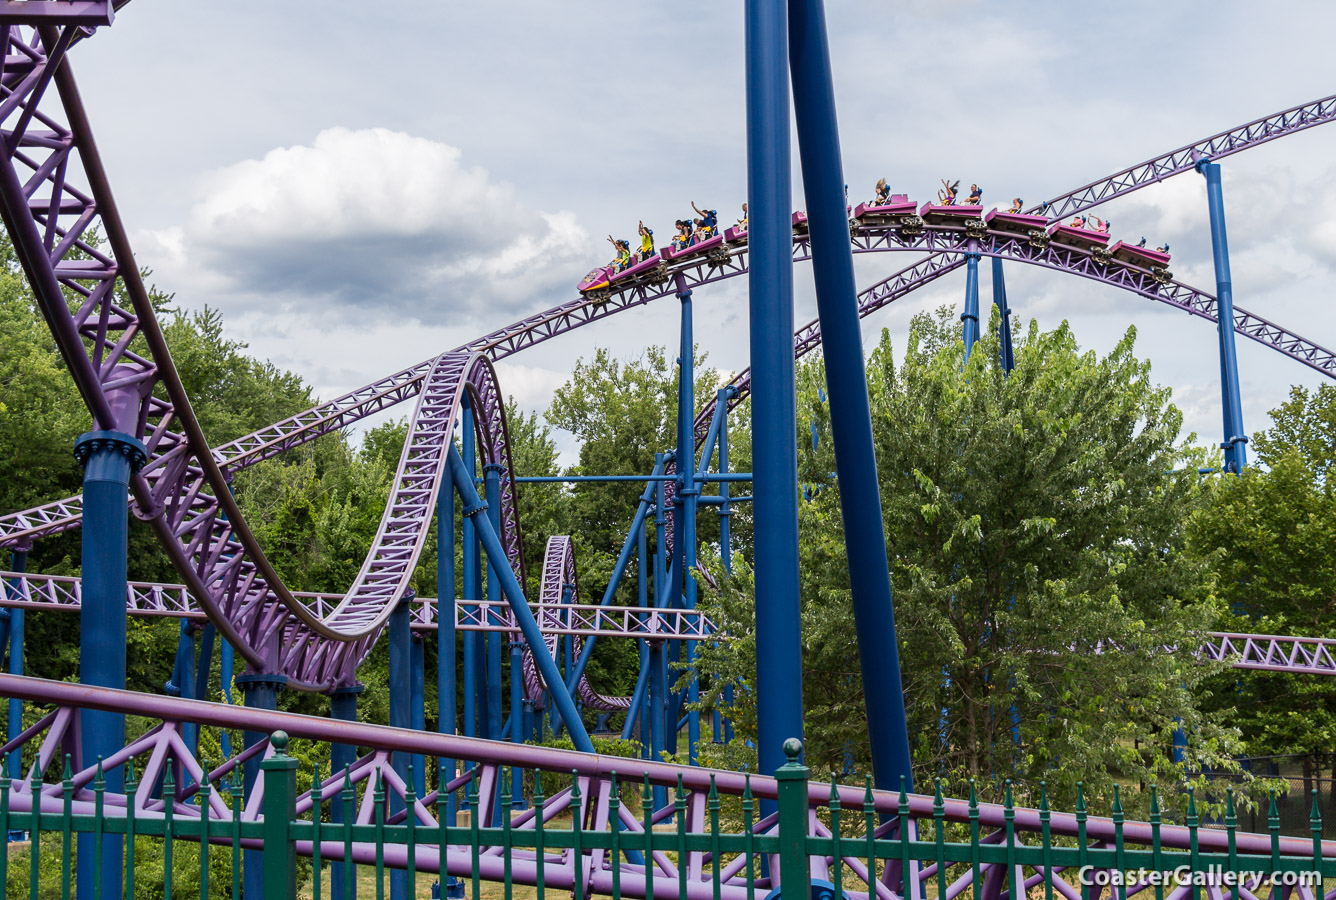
{"x": 1270, "y": 537}
{"x": 1034, "y": 538}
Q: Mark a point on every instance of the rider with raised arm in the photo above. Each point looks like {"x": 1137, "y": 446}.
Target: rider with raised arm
{"x": 646, "y": 242}
{"x": 622, "y": 261}
{"x": 947, "y": 196}
{"x": 709, "y": 221}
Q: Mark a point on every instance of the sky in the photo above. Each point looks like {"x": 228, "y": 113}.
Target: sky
{"x": 358, "y": 187}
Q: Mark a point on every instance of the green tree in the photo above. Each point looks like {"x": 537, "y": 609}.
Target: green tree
{"x": 1034, "y": 536}
{"x": 1270, "y": 537}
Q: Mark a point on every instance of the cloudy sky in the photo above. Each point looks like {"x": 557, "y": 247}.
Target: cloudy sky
{"x": 361, "y": 186}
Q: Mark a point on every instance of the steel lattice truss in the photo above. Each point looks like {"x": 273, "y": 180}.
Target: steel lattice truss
{"x": 689, "y": 792}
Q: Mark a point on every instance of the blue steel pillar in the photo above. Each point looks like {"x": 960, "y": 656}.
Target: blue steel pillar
{"x": 517, "y": 713}
{"x": 109, "y": 458}
{"x": 851, "y": 422}
{"x": 472, "y": 572}
{"x": 774, "y": 398}
{"x": 970, "y": 317}
{"x": 725, "y": 542}
{"x": 261, "y": 692}
{"x": 1235, "y": 443}
{"x": 689, "y": 492}
{"x": 492, "y": 484}
{"x": 418, "y": 703}
{"x": 18, "y": 562}
{"x": 401, "y": 711}
{"x": 342, "y": 706}
{"x": 1005, "y": 354}
{"x": 226, "y": 674}
{"x": 446, "y": 646}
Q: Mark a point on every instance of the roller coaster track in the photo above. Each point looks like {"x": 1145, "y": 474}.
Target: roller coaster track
{"x": 690, "y": 791}
{"x": 1257, "y": 652}
{"x": 79, "y": 264}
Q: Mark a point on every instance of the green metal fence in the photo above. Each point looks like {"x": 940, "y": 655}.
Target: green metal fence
{"x": 917, "y": 861}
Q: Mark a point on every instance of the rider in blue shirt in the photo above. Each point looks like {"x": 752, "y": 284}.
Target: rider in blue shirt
{"x": 709, "y": 221}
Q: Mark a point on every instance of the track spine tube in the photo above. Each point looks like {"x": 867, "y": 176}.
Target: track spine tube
{"x": 1006, "y": 356}
{"x": 109, "y": 459}
{"x": 774, "y": 412}
{"x": 1235, "y": 443}
{"x": 510, "y": 586}
{"x": 970, "y": 317}
{"x": 851, "y": 423}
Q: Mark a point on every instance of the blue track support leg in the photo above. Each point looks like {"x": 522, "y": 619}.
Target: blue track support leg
{"x": 517, "y": 714}
{"x": 519, "y": 605}
{"x": 1235, "y": 443}
{"x": 226, "y": 673}
{"x": 261, "y": 692}
{"x": 418, "y": 702}
{"x": 18, "y": 562}
{"x": 1005, "y": 354}
{"x": 208, "y": 636}
{"x": 725, "y": 537}
{"x": 851, "y": 422}
{"x": 686, "y": 465}
{"x": 109, "y": 458}
{"x": 774, "y": 399}
{"x": 472, "y": 579}
{"x": 342, "y": 706}
{"x": 970, "y": 317}
{"x": 446, "y": 644}
{"x": 492, "y": 485}
{"x": 401, "y": 713}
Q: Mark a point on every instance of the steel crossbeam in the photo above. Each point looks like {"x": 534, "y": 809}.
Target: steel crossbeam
{"x": 689, "y": 789}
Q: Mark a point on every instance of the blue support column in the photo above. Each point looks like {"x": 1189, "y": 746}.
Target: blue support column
{"x": 970, "y": 317}
{"x": 226, "y": 673}
{"x": 519, "y": 605}
{"x": 202, "y": 670}
{"x": 261, "y": 692}
{"x": 492, "y": 485}
{"x": 418, "y": 704}
{"x": 342, "y": 706}
{"x": 641, "y": 710}
{"x": 724, "y": 734}
{"x": 1235, "y": 443}
{"x": 851, "y": 422}
{"x": 401, "y": 712}
{"x": 686, "y": 468}
{"x": 18, "y": 562}
{"x": 472, "y": 572}
{"x": 1005, "y": 354}
{"x": 774, "y": 399}
{"x": 446, "y": 703}
{"x": 109, "y": 458}
{"x": 517, "y": 713}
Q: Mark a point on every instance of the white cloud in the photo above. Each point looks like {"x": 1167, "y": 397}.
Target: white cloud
{"x": 375, "y": 223}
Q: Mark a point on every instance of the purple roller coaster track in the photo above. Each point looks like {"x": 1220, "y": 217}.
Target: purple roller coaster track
{"x": 61, "y": 215}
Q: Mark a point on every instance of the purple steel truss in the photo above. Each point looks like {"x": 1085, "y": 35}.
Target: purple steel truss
{"x": 1261, "y": 652}
{"x": 55, "y": 735}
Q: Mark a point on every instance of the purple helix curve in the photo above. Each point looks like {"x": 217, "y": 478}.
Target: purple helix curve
{"x": 54, "y": 734}
{"x": 558, "y": 574}
{"x": 62, "y": 515}
{"x": 181, "y": 490}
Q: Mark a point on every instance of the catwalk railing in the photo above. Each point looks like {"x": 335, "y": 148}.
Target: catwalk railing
{"x": 596, "y": 829}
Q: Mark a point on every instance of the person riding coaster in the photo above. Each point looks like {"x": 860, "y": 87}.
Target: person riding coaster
{"x": 622, "y": 261}
{"x": 682, "y": 240}
{"x": 646, "y": 242}
{"x": 883, "y": 196}
{"x": 1016, "y": 205}
{"x": 976, "y": 195}
{"x": 947, "y": 197}
{"x": 707, "y": 224}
